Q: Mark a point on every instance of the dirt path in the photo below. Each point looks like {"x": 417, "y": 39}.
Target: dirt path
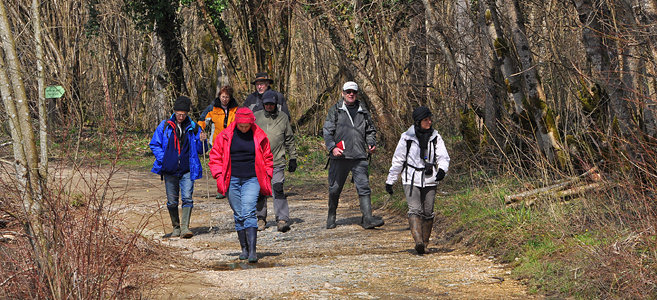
{"x": 309, "y": 261}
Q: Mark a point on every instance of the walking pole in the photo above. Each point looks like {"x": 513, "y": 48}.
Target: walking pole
{"x": 207, "y": 182}
{"x": 208, "y": 123}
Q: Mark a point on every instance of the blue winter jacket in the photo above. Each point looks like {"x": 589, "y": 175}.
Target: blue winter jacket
{"x": 160, "y": 141}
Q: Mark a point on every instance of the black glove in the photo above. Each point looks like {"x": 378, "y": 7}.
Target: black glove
{"x": 440, "y": 175}
{"x": 389, "y": 189}
{"x": 292, "y": 165}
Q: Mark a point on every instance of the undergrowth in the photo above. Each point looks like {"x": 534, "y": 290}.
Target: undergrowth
{"x": 598, "y": 244}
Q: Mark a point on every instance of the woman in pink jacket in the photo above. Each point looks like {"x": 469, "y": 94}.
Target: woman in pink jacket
{"x": 242, "y": 163}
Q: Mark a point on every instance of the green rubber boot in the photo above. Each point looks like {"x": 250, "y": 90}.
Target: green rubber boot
{"x": 185, "y": 233}
{"x": 175, "y": 221}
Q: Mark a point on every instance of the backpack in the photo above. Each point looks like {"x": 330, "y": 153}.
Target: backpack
{"x": 406, "y": 164}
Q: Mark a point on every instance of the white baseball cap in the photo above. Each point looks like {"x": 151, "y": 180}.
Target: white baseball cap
{"x": 350, "y": 85}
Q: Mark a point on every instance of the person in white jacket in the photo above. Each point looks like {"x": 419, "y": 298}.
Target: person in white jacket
{"x": 422, "y": 160}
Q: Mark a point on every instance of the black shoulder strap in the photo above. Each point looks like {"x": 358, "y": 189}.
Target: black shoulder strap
{"x": 409, "y": 142}
{"x": 408, "y": 148}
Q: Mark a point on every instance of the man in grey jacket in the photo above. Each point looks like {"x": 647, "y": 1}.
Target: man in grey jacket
{"x": 276, "y": 125}
{"x": 350, "y": 137}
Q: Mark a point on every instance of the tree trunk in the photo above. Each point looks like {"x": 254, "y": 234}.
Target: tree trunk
{"x": 547, "y": 135}
{"x": 506, "y": 56}
{"x": 159, "y": 105}
{"x": 462, "y": 46}
{"x": 25, "y": 153}
{"x": 434, "y": 29}
{"x": 494, "y": 94}
{"x": 19, "y": 94}
{"x": 223, "y": 77}
{"x": 168, "y": 32}
{"x": 43, "y": 113}
{"x": 602, "y": 54}
{"x": 647, "y": 18}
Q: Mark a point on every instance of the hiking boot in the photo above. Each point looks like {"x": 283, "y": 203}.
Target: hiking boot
{"x": 262, "y": 224}
{"x": 185, "y": 233}
{"x": 220, "y": 196}
{"x": 283, "y": 226}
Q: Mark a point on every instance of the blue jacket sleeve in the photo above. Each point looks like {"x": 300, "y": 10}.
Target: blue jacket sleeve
{"x": 206, "y": 111}
{"x": 156, "y": 143}
{"x": 202, "y": 147}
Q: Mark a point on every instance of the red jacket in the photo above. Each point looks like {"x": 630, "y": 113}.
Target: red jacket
{"x": 220, "y": 159}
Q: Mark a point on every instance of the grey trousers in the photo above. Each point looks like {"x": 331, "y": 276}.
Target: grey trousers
{"x": 339, "y": 170}
{"x": 422, "y": 200}
{"x": 281, "y": 209}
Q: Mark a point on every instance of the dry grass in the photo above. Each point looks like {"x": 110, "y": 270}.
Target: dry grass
{"x": 88, "y": 255}
{"x": 597, "y": 245}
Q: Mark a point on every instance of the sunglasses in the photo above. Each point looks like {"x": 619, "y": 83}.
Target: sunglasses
{"x": 351, "y": 92}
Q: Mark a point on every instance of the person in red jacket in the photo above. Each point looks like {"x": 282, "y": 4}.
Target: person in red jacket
{"x": 242, "y": 163}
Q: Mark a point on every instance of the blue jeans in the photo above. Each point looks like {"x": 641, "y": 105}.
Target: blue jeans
{"x": 243, "y": 195}
{"x": 183, "y": 185}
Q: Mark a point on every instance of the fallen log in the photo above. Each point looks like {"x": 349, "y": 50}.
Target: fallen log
{"x": 578, "y": 190}
{"x": 552, "y": 189}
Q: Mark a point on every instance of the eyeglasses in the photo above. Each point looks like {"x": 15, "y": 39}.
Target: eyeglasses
{"x": 351, "y": 92}
{"x": 181, "y": 115}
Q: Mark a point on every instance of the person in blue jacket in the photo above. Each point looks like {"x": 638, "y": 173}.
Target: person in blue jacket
{"x": 176, "y": 144}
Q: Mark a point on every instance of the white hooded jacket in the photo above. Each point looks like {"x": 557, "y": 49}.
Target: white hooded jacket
{"x": 437, "y": 157}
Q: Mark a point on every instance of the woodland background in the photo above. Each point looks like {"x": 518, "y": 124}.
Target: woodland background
{"x": 531, "y": 90}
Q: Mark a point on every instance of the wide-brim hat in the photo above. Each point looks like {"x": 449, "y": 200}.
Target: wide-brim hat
{"x": 262, "y": 76}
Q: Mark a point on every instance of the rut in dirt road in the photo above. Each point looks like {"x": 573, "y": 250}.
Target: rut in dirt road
{"x": 310, "y": 261}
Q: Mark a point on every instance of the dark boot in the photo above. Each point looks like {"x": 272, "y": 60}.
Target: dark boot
{"x": 185, "y": 233}
{"x": 251, "y": 239}
{"x": 368, "y": 222}
{"x": 175, "y": 221}
{"x": 262, "y": 224}
{"x": 241, "y": 235}
{"x": 416, "y": 231}
{"x": 332, "y": 211}
{"x": 427, "y": 225}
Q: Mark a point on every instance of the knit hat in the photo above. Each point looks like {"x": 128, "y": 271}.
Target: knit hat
{"x": 262, "y": 76}
{"x": 244, "y": 115}
{"x": 269, "y": 96}
{"x": 350, "y": 85}
{"x": 421, "y": 113}
{"x": 182, "y": 104}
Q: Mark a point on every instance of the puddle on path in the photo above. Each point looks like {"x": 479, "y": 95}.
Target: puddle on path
{"x": 235, "y": 266}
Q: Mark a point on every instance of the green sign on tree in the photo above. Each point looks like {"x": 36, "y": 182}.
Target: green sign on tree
{"x": 54, "y": 91}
